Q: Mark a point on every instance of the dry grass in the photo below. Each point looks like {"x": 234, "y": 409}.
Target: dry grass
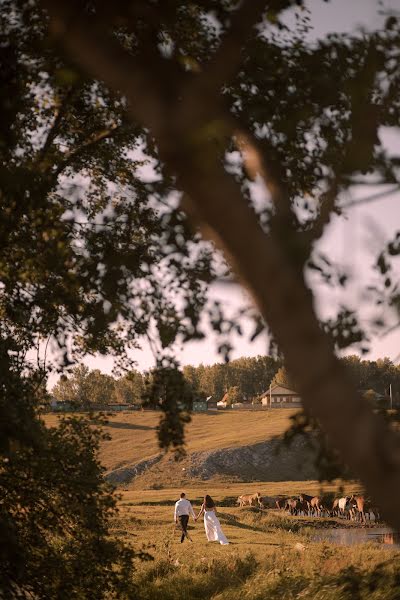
{"x": 146, "y": 517}
{"x": 227, "y": 492}
{"x": 271, "y": 555}
{"x": 133, "y": 434}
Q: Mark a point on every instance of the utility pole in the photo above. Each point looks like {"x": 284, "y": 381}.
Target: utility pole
{"x": 391, "y": 397}
{"x": 270, "y": 397}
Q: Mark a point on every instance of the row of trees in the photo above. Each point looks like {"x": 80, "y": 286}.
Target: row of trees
{"x": 85, "y": 387}
{"x": 251, "y": 376}
{"x": 244, "y": 379}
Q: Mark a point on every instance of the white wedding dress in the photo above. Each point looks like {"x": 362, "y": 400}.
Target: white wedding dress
{"x": 213, "y": 529}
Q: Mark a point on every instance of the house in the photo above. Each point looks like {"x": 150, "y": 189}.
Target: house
{"x": 211, "y": 404}
{"x": 199, "y": 406}
{"x": 280, "y": 396}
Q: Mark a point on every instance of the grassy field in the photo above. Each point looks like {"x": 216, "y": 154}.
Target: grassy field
{"x": 133, "y": 434}
{"x": 271, "y": 554}
{"x": 149, "y": 513}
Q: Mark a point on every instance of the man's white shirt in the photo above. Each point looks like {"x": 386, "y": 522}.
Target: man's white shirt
{"x": 183, "y": 507}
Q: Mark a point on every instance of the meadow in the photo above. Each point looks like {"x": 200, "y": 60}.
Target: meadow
{"x": 271, "y": 554}
{"x": 133, "y": 434}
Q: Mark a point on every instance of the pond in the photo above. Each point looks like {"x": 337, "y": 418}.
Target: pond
{"x": 350, "y": 536}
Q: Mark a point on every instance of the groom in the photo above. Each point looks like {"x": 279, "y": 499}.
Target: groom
{"x": 183, "y": 509}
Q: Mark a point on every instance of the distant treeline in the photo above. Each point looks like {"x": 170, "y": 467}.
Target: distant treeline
{"x": 251, "y": 377}
{"x": 244, "y": 379}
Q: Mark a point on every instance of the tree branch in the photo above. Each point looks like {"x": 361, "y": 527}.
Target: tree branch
{"x": 106, "y": 60}
{"x": 53, "y": 131}
{"x": 93, "y": 141}
{"x": 326, "y": 208}
{"x": 227, "y": 59}
{"x": 363, "y": 439}
{"x": 256, "y": 162}
{"x": 371, "y": 198}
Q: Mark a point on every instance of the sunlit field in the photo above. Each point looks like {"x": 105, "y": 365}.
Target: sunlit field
{"x": 133, "y": 434}
{"x": 271, "y": 554}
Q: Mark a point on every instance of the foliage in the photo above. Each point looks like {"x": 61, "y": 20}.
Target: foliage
{"x": 282, "y": 377}
{"x": 166, "y": 389}
{"x": 232, "y": 396}
{"x": 251, "y": 376}
{"x": 83, "y": 387}
{"x": 88, "y": 262}
{"x": 377, "y": 375}
{"x": 89, "y": 259}
{"x": 129, "y": 388}
{"x": 54, "y": 517}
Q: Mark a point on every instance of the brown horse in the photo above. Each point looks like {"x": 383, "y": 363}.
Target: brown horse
{"x": 249, "y": 499}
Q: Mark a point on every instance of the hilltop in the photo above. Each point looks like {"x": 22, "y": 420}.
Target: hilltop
{"x": 233, "y": 445}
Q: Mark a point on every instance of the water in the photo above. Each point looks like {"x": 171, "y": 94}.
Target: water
{"x": 349, "y": 536}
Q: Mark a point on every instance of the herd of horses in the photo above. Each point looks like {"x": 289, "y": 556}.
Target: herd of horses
{"x": 354, "y": 507}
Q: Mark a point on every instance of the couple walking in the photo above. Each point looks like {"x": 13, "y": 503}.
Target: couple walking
{"x": 183, "y": 509}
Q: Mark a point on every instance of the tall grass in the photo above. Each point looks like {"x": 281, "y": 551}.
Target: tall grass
{"x": 322, "y": 573}
{"x": 272, "y": 555}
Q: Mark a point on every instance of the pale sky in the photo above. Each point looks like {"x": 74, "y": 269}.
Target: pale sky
{"x": 352, "y": 241}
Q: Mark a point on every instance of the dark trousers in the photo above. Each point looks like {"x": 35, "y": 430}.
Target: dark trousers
{"x": 183, "y": 521}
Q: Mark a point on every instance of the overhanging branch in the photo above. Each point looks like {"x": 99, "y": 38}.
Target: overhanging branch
{"x": 93, "y": 141}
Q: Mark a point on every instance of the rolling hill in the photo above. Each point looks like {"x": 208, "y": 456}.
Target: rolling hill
{"x": 235, "y": 445}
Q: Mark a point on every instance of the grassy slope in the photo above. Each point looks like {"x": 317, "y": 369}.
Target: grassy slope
{"x": 134, "y": 435}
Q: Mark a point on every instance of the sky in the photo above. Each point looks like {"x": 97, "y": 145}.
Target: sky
{"x": 352, "y": 241}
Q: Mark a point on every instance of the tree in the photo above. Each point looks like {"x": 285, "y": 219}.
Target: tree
{"x": 167, "y": 390}
{"x": 232, "y": 396}
{"x": 101, "y": 388}
{"x": 198, "y": 109}
{"x": 55, "y": 508}
{"x": 84, "y": 388}
{"x": 282, "y": 377}
{"x": 250, "y": 375}
{"x": 114, "y": 258}
{"x": 74, "y": 389}
{"x": 56, "y": 287}
{"x": 129, "y": 388}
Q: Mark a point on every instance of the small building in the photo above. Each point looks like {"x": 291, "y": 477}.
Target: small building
{"x": 62, "y": 405}
{"x": 242, "y": 406}
{"x": 280, "y": 396}
{"x": 212, "y": 404}
{"x": 118, "y": 406}
{"x": 199, "y": 406}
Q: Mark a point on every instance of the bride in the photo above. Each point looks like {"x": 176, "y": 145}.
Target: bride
{"x": 211, "y": 522}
